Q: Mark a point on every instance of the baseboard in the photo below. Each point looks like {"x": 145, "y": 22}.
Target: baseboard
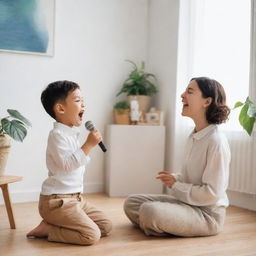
{"x": 243, "y": 200}
{"x": 33, "y": 195}
{"x": 93, "y": 188}
{"x": 22, "y": 196}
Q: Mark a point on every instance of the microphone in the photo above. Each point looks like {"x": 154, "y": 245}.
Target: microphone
{"x": 90, "y": 127}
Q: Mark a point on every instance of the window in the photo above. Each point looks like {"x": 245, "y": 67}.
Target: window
{"x": 220, "y": 47}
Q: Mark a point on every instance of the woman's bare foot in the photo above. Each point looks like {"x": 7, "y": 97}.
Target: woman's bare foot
{"x": 42, "y": 230}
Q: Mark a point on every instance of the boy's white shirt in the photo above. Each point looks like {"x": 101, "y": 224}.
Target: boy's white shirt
{"x": 65, "y": 161}
{"x": 204, "y": 177}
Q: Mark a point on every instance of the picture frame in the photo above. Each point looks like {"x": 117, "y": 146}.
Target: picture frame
{"x": 155, "y": 118}
{"x": 27, "y": 28}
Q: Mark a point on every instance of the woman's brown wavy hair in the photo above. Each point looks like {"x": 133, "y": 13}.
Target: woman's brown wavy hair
{"x": 218, "y": 111}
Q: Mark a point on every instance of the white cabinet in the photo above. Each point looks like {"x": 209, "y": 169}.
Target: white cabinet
{"x": 135, "y": 155}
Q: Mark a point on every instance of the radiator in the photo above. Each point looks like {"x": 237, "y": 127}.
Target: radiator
{"x": 242, "y": 176}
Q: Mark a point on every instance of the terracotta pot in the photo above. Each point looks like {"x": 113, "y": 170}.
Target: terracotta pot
{"x": 122, "y": 116}
{"x": 143, "y": 100}
{"x": 5, "y": 145}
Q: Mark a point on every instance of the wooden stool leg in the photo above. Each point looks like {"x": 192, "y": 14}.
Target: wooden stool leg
{"x": 8, "y": 205}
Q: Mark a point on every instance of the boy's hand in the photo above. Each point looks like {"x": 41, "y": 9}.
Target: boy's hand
{"x": 166, "y": 178}
{"x": 92, "y": 140}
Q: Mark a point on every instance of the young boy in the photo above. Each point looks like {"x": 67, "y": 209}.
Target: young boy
{"x": 67, "y": 216}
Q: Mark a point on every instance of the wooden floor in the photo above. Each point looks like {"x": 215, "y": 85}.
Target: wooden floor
{"x": 238, "y": 237}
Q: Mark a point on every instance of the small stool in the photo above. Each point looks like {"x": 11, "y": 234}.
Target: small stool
{"x": 4, "y": 181}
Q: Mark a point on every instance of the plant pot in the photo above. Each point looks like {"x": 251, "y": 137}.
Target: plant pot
{"x": 122, "y": 116}
{"x": 143, "y": 100}
{"x": 5, "y": 145}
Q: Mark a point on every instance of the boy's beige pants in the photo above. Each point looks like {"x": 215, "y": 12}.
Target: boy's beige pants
{"x": 162, "y": 215}
{"x": 73, "y": 219}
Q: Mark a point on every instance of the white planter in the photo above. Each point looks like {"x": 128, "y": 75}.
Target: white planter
{"x": 5, "y": 145}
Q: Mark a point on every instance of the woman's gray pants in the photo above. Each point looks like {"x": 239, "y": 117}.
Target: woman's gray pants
{"x": 161, "y": 215}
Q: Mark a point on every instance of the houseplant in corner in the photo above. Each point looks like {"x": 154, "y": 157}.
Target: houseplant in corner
{"x": 140, "y": 86}
{"x": 12, "y": 126}
{"x": 247, "y": 116}
{"x": 122, "y": 112}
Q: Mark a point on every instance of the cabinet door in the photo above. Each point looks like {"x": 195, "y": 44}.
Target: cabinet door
{"x": 135, "y": 156}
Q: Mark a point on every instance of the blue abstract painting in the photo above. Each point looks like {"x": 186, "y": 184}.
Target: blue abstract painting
{"x": 27, "y": 26}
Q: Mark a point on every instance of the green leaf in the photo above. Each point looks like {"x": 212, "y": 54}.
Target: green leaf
{"x": 122, "y": 105}
{"x": 246, "y": 121}
{"x": 248, "y": 101}
{"x": 16, "y": 114}
{"x": 142, "y": 65}
{"x": 238, "y": 104}
{"x": 134, "y": 64}
{"x": 14, "y": 128}
{"x": 138, "y": 82}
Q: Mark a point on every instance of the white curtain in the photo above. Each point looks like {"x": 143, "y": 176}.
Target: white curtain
{"x": 243, "y": 147}
{"x": 253, "y": 51}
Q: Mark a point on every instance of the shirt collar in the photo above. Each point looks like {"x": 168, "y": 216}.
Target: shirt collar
{"x": 199, "y": 135}
{"x": 66, "y": 129}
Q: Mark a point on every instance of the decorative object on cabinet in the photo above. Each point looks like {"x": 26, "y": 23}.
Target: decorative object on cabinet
{"x": 122, "y": 112}
{"x": 139, "y": 86}
{"x": 154, "y": 117}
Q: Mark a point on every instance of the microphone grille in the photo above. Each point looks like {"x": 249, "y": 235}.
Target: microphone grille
{"x": 89, "y": 126}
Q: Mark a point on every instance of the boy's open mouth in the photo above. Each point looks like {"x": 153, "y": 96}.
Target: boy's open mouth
{"x": 80, "y": 114}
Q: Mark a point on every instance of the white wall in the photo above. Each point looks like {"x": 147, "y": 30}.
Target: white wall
{"x": 92, "y": 40}
{"x": 162, "y": 59}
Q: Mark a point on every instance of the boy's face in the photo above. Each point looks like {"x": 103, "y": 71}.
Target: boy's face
{"x": 70, "y": 112}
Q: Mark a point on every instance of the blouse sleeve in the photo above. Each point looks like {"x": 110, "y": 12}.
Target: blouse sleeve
{"x": 214, "y": 179}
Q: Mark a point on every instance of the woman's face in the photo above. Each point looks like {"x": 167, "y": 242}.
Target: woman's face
{"x": 194, "y": 105}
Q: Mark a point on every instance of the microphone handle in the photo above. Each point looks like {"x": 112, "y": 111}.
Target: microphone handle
{"x": 102, "y": 146}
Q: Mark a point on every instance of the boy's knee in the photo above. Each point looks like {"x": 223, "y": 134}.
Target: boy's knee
{"x": 106, "y": 228}
{"x": 90, "y": 238}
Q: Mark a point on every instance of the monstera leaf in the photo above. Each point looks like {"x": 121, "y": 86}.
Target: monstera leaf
{"x": 14, "y": 125}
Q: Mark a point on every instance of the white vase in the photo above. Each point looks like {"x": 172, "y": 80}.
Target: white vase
{"x": 143, "y": 100}
{"x": 5, "y": 145}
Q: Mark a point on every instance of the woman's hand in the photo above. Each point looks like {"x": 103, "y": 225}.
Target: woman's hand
{"x": 167, "y": 178}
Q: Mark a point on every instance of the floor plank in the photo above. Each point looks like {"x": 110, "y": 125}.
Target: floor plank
{"x": 237, "y": 239}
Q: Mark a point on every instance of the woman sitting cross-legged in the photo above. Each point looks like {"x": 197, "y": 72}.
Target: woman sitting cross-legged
{"x": 197, "y": 202}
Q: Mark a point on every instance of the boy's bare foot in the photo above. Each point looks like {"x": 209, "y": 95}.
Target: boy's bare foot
{"x": 42, "y": 230}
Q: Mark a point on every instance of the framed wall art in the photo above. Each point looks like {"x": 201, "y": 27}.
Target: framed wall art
{"x": 27, "y": 26}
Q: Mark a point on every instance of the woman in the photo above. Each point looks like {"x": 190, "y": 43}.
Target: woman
{"x": 197, "y": 202}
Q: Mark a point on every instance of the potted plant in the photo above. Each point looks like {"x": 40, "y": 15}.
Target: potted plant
{"x": 122, "y": 112}
{"x": 140, "y": 86}
{"x": 247, "y": 116}
{"x": 12, "y": 126}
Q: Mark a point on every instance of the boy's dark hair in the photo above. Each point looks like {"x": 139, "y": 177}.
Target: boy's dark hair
{"x": 218, "y": 111}
{"x": 54, "y": 92}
